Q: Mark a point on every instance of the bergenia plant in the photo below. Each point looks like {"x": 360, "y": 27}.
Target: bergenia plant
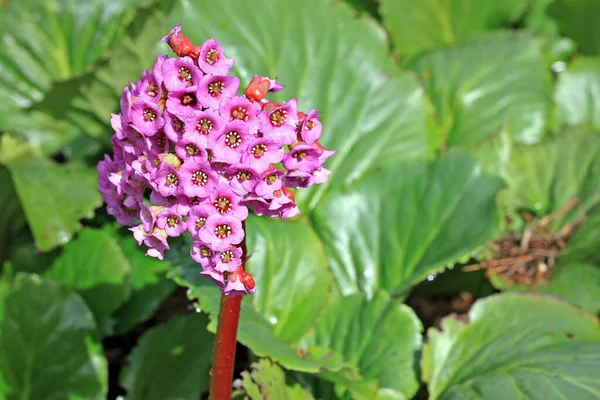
{"x": 191, "y": 155}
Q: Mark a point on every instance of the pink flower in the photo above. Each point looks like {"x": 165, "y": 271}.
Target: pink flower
{"x": 243, "y": 179}
{"x": 261, "y": 153}
{"x": 168, "y": 181}
{"x": 204, "y": 127}
{"x": 183, "y": 102}
{"x": 180, "y": 73}
{"x": 228, "y": 260}
{"x": 145, "y": 117}
{"x": 310, "y": 127}
{"x": 169, "y": 220}
{"x": 211, "y": 59}
{"x": 214, "y": 89}
{"x": 232, "y": 143}
{"x": 226, "y": 202}
{"x": 279, "y": 123}
{"x": 198, "y": 180}
{"x": 197, "y": 217}
{"x": 202, "y": 254}
{"x": 221, "y": 231}
{"x": 239, "y": 108}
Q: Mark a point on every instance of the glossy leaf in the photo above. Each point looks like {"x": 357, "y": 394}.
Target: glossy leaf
{"x": 12, "y": 218}
{"x": 267, "y": 381}
{"x": 373, "y": 114}
{"x": 54, "y": 40}
{"x": 394, "y": 228}
{"x": 577, "y": 20}
{"x": 45, "y": 347}
{"x": 171, "y": 361}
{"x": 94, "y": 265}
{"x": 53, "y": 196}
{"x": 515, "y": 346}
{"x": 255, "y": 331}
{"x": 577, "y": 94}
{"x": 427, "y": 24}
{"x": 485, "y": 83}
{"x": 377, "y": 338}
{"x": 548, "y": 176}
{"x": 579, "y": 284}
{"x": 290, "y": 270}
{"x": 92, "y": 97}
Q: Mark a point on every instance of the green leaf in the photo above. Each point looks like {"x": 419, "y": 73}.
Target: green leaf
{"x": 546, "y": 177}
{"x": 485, "y": 83}
{"x": 94, "y": 265}
{"x": 377, "y": 337}
{"x": 45, "y": 346}
{"x": 577, "y": 19}
{"x": 53, "y": 196}
{"x": 171, "y": 361}
{"x": 373, "y": 114}
{"x": 267, "y": 381}
{"x": 427, "y": 24}
{"x": 395, "y": 227}
{"x": 92, "y": 97}
{"x": 12, "y": 218}
{"x": 584, "y": 245}
{"x": 142, "y": 304}
{"x": 290, "y": 270}
{"x": 579, "y": 284}
{"x": 577, "y": 94}
{"x": 254, "y": 331}
{"x": 367, "y": 6}
{"x": 516, "y": 346}
{"x": 54, "y": 40}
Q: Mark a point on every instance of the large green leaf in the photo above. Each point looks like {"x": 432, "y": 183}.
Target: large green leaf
{"x": 577, "y": 283}
{"x": 395, "y": 227}
{"x": 546, "y": 177}
{"x": 94, "y": 265}
{"x": 290, "y": 269}
{"x": 267, "y": 381}
{"x": 171, "y": 361}
{"x": 515, "y": 347}
{"x": 12, "y": 218}
{"x": 292, "y": 284}
{"x": 104, "y": 267}
{"x": 53, "y": 196}
{"x": 46, "y": 41}
{"x": 93, "y": 96}
{"x": 426, "y": 24}
{"x": 584, "y": 245}
{"x": 577, "y": 94}
{"x": 376, "y": 337}
{"x": 45, "y": 346}
{"x": 485, "y": 83}
{"x": 329, "y": 59}
{"x": 577, "y": 19}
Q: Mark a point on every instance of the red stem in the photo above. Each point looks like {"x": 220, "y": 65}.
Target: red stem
{"x": 225, "y": 341}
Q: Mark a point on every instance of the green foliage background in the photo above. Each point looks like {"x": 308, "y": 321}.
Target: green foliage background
{"x": 448, "y": 116}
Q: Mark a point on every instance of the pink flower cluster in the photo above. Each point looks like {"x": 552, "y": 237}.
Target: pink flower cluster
{"x": 191, "y": 155}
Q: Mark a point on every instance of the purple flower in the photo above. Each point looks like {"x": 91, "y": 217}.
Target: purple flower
{"x": 239, "y": 108}
{"x": 243, "y": 179}
{"x": 189, "y": 154}
{"x": 310, "y": 127}
{"x": 232, "y": 143}
{"x": 214, "y": 89}
{"x": 261, "y": 153}
{"x": 279, "y": 123}
{"x": 191, "y": 148}
{"x": 145, "y": 117}
{"x": 197, "y": 218}
{"x": 183, "y": 102}
{"x": 303, "y": 157}
{"x": 221, "y": 231}
{"x": 180, "y": 73}
{"x": 225, "y": 202}
{"x": 169, "y": 220}
{"x": 228, "y": 260}
{"x": 270, "y": 182}
{"x": 148, "y": 89}
{"x": 202, "y": 254}
{"x": 174, "y": 126}
{"x": 198, "y": 180}
{"x": 211, "y": 59}
{"x": 204, "y": 127}
{"x": 167, "y": 181}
